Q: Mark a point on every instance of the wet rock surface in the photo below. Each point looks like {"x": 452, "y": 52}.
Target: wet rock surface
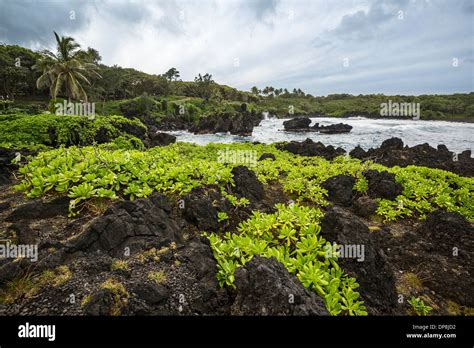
{"x": 187, "y": 283}
{"x": 201, "y": 207}
{"x": 449, "y": 237}
{"x": 297, "y": 123}
{"x": 152, "y": 293}
{"x": 39, "y": 209}
{"x": 433, "y": 260}
{"x": 337, "y": 128}
{"x": 173, "y": 123}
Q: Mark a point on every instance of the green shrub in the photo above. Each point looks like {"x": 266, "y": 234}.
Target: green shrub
{"x": 17, "y": 108}
{"x": 126, "y": 142}
{"x": 53, "y": 130}
{"x": 145, "y": 108}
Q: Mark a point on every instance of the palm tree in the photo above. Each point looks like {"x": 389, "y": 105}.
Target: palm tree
{"x": 65, "y": 69}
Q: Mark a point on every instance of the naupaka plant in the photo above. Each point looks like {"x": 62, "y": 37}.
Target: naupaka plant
{"x": 109, "y": 172}
{"x": 292, "y": 236}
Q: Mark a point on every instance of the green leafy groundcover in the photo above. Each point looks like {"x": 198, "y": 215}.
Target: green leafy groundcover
{"x": 33, "y": 131}
{"x": 291, "y": 234}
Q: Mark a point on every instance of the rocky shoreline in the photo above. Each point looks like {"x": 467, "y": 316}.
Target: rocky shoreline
{"x": 392, "y": 152}
{"x": 376, "y": 116}
{"x": 163, "y": 237}
{"x": 302, "y": 124}
{"x": 239, "y": 123}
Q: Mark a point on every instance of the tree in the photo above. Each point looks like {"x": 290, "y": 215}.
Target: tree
{"x": 204, "y": 85}
{"x": 16, "y": 73}
{"x": 172, "y": 74}
{"x": 271, "y": 90}
{"x": 66, "y": 69}
{"x": 255, "y": 90}
{"x": 91, "y": 55}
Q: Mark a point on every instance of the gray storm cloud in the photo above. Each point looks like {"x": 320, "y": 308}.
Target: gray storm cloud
{"x": 322, "y": 47}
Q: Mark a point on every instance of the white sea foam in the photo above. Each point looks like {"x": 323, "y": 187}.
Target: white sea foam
{"x": 367, "y": 133}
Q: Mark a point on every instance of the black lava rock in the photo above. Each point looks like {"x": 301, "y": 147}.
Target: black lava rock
{"x": 382, "y": 184}
{"x": 247, "y": 184}
{"x": 265, "y": 287}
{"x": 297, "y": 123}
{"x": 339, "y": 189}
{"x": 373, "y": 272}
{"x": 161, "y": 139}
{"x": 364, "y": 206}
{"x": 267, "y": 155}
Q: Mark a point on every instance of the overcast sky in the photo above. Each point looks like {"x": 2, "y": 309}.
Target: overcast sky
{"x": 322, "y": 47}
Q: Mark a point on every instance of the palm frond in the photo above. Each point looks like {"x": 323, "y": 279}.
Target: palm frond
{"x": 56, "y": 85}
{"x": 66, "y": 68}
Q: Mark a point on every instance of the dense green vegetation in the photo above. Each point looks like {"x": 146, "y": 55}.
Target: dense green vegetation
{"x": 431, "y": 106}
{"x": 457, "y": 106}
{"x": 153, "y": 109}
{"x": 47, "y": 130}
{"x": 110, "y": 87}
{"x": 102, "y": 157}
{"x": 179, "y": 168}
{"x": 425, "y": 189}
{"x": 291, "y": 234}
{"x": 16, "y": 71}
{"x": 20, "y": 69}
